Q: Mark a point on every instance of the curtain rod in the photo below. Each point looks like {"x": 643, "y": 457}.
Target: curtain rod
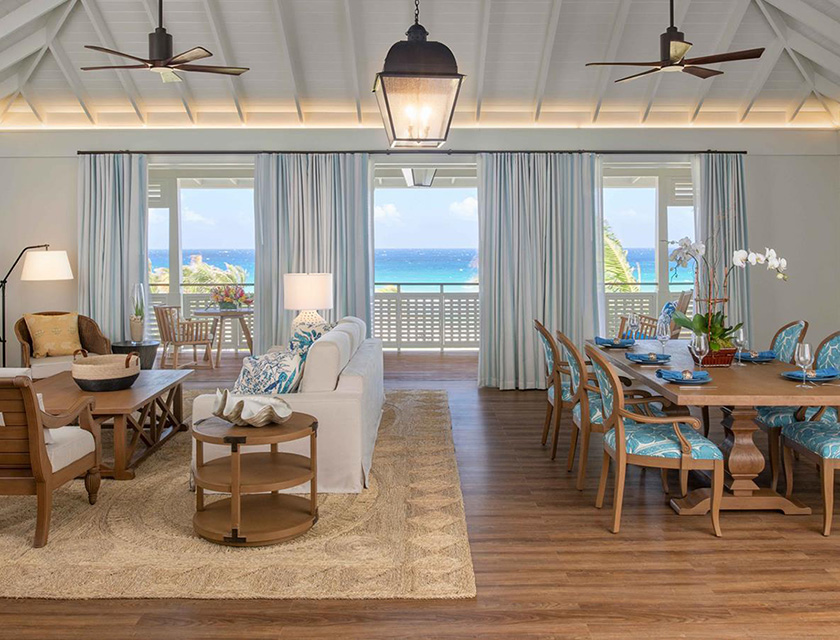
{"x": 418, "y": 152}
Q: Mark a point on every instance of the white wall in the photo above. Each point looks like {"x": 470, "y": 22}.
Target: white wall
{"x": 793, "y": 191}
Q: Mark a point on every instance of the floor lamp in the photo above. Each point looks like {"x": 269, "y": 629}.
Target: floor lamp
{"x": 38, "y": 265}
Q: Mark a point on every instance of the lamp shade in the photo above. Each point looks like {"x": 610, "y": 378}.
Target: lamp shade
{"x": 307, "y": 291}
{"x": 46, "y": 265}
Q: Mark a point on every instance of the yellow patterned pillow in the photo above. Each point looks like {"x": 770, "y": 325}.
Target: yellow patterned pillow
{"x": 53, "y": 335}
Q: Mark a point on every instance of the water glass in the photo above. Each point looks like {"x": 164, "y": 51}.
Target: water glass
{"x": 740, "y": 341}
{"x": 804, "y": 358}
{"x": 663, "y": 333}
{"x": 700, "y": 347}
{"x": 633, "y": 324}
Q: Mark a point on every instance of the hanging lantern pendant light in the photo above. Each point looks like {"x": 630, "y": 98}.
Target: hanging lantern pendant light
{"x": 417, "y": 89}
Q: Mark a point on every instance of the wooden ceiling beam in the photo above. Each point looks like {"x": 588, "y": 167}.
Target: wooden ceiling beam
{"x": 353, "y": 57}
{"x": 619, "y": 22}
{"x": 547, "y": 53}
{"x": 767, "y": 63}
{"x": 72, "y": 78}
{"x": 809, "y": 16}
{"x": 25, "y": 14}
{"x": 220, "y": 38}
{"x": 288, "y": 59}
{"x": 21, "y": 50}
{"x": 481, "y": 69}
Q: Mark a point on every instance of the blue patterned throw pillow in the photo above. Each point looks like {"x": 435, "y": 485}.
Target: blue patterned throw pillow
{"x": 305, "y": 336}
{"x": 278, "y": 372}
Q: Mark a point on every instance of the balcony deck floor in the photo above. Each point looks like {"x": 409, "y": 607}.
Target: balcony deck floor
{"x": 546, "y": 566}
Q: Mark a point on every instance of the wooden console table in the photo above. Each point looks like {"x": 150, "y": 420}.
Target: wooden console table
{"x": 156, "y": 396}
{"x": 256, "y": 513}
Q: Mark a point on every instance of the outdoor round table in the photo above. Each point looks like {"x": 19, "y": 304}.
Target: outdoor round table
{"x": 223, "y": 314}
{"x": 147, "y": 350}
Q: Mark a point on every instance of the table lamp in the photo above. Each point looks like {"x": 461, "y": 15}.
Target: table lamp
{"x": 37, "y": 265}
{"x": 307, "y": 292}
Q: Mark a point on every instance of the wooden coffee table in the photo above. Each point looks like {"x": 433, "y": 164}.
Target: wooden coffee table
{"x": 157, "y": 397}
{"x": 256, "y": 513}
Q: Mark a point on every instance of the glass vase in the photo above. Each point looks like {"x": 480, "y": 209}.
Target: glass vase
{"x": 137, "y": 312}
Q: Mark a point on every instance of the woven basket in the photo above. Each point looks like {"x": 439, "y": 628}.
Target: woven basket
{"x": 105, "y": 373}
{"x": 719, "y": 358}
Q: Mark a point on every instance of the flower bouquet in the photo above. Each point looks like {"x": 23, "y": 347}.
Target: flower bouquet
{"x": 713, "y": 322}
{"x": 230, "y": 296}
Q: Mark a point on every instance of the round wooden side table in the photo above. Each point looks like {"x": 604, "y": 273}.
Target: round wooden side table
{"x": 256, "y": 513}
{"x": 147, "y": 349}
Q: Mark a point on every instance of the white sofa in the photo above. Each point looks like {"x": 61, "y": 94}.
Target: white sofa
{"x": 342, "y": 386}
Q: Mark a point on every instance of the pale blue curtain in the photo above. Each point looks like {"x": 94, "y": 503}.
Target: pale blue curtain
{"x": 312, "y": 215}
{"x": 721, "y": 222}
{"x": 113, "y": 222}
{"x": 540, "y": 251}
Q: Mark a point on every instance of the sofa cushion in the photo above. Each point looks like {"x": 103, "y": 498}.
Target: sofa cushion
{"x": 46, "y": 367}
{"x": 325, "y": 361}
{"x": 354, "y": 332}
{"x": 276, "y": 372}
{"x": 358, "y": 322}
{"x": 68, "y": 445}
{"x": 53, "y": 335}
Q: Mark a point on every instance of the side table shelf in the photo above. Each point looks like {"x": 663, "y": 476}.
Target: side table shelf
{"x": 255, "y": 514}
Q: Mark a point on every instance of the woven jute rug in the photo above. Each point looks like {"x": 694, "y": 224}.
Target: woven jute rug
{"x": 403, "y": 537}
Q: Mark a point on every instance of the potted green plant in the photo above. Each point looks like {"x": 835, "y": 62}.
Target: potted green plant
{"x": 713, "y": 323}
{"x": 137, "y": 317}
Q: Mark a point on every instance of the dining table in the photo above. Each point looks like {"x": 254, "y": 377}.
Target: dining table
{"x": 239, "y": 314}
{"x": 737, "y": 391}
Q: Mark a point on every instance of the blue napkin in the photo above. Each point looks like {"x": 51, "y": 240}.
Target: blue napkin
{"x": 676, "y": 376}
{"x": 608, "y": 342}
{"x": 644, "y": 358}
{"x": 762, "y": 355}
{"x": 827, "y": 373}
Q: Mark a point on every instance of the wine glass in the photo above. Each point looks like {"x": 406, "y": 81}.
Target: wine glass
{"x": 740, "y": 341}
{"x": 663, "y": 333}
{"x": 804, "y": 358}
{"x": 700, "y": 347}
{"x": 633, "y": 323}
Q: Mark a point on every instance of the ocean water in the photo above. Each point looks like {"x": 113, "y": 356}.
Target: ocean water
{"x": 414, "y": 265}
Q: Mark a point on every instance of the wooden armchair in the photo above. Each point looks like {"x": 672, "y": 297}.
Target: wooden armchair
{"x": 90, "y": 336}
{"x": 177, "y": 332}
{"x": 647, "y": 324}
{"x": 39, "y": 451}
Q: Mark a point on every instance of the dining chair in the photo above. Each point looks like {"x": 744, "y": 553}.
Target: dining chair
{"x": 816, "y": 440}
{"x": 785, "y": 341}
{"x": 177, "y": 332}
{"x": 34, "y": 462}
{"x": 772, "y": 420}
{"x": 647, "y": 324}
{"x": 647, "y": 441}
{"x": 557, "y": 389}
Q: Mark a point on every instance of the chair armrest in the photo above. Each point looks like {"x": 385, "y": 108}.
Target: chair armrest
{"x": 92, "y": 338}
{"x": 56, "y": 421}
{"x": 801, "y": 414}
{"x": 694, "y": 423}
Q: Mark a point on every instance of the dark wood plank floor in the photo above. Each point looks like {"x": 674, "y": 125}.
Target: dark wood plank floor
{"x": 545, "y": 563}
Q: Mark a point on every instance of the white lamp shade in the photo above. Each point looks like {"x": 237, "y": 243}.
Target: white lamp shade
{"x": 307, "y": 291}
{"x": 46, "y": 265}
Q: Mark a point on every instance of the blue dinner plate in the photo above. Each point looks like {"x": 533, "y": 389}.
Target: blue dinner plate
{"x": 796, "y": 376}
{"x": 691, "y": 382}
{"x": 760, "y": 358}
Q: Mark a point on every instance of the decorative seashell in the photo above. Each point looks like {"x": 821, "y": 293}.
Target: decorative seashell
{"x": 810, "y": 373}
{"x": 687, "y": 375}
{"x": 652, "y": 357}
{"x": 250, "y": 411}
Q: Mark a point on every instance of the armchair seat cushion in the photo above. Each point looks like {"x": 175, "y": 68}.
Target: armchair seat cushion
{"x": 68, "y": 445}
{"x": 51, "y": 365}
{"x": 823, "y": 438}
{"x": 566, "y": 391}
{"x": 781, "y": 416}
{"x": 661, "y": 441}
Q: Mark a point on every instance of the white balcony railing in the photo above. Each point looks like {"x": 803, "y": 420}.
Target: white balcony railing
{"x": 648, "y": 303}
{"x": 426, "y": 315}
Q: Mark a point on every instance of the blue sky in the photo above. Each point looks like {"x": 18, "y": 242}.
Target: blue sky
{"x": 632, "y": 215}
{"x": 426, "y": 218}
{"x": 210, "y": 219}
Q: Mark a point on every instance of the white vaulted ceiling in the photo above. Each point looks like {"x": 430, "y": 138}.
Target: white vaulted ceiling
{"x": 313, "y": 62}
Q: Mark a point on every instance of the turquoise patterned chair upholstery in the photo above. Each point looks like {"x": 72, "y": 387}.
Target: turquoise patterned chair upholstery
{"x": 785, "y": 342}
{"x": 661, "y": 441}
{"x": 566, "y": 388}
{"x": 549, "y": 354}
{"x": 823, "y": 438}
{"x": 596, "y": 413}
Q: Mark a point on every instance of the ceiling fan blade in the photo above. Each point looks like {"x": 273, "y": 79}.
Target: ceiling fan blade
{"x": 119, "y": 66}
{"x": 678, "y": 50}
{"x": 116, "y": 53}
{"x": 201, "y": 68}
{"x": 625, "y": 64}
{"x": 702, "y": 72}
{"x": 638, "y": 75}
{"x": 196, "y": 53}
{"x": 168, "y": 75}
{"x": 747, "y": 54}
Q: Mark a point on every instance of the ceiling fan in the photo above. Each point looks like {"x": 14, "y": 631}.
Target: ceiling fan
{"x": 161, "y": 59}
{"x": 672, "y": 50}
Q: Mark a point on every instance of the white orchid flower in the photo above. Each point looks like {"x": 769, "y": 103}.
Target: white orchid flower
{"x": 739, "y": 258}
{"x": 773, "y": 263}
{"x": 752, "y": 258}
{"x": 698, "y": 249}
{"x": 769, "y": 254}
{"x": 759, "y": 258}
{"x": 782, "y": 264}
